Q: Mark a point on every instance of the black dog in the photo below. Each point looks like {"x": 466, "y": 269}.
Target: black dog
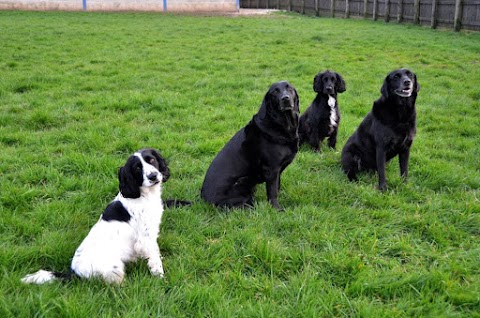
{"x": 257, "y": 153}
{"x": 322, "y": 117}
{"x": 388, "y": 130}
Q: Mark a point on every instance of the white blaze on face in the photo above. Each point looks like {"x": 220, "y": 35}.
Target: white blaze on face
{"x": 147, "y": 170}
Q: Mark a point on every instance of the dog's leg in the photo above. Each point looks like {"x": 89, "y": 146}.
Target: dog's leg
{"x": 314, "y": 139}
{"x": 272, "y": 179}
{"x": 350, "y": 165}
{"x": 381, "y": 157}
{"x": 148, "y": 248}
{"x": 403, "y": 157}
{"x": 332, "y": 140}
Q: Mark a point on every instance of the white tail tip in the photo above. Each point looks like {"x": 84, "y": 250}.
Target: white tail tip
{"x": 40, "y": 277}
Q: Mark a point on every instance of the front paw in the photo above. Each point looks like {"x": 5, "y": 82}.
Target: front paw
{"x": 156, "y": 268}
{"x": 382, "y": 187}
{"x": 277, "y": 206}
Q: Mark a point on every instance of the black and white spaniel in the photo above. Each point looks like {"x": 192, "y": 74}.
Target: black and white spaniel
{"x": 322, "y": 118}
{"x": 128, "y": 228}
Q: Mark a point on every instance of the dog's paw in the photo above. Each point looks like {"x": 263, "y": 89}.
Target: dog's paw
{"x": 382, "y": 187}
{"x": 156, "y": 268}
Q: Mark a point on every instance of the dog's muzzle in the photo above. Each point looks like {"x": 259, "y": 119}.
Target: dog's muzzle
{"x": 286, "y": 102}
{"x": 407, "y": 89}
{"x": 329, "y": 90}
{"x": 153, "y": 177}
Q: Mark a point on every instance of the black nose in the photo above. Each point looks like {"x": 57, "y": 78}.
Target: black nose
{"x": 152, "y": 176}
{"x": 407, "y": 82}
{"x": 285, "y": 97}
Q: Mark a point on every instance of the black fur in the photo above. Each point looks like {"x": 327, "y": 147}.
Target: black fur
{"x": 315, "y": 125}
{"x": 387, "y": 131}
{"x": 115, "y": 211}
{"x": 257, "y": 153}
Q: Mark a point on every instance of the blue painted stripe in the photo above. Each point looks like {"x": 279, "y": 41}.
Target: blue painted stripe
{"x": 84, "y": 5}
{"x": 164, "y": 5}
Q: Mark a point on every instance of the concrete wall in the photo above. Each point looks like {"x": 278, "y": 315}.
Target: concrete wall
{"x": 122, "y": 5}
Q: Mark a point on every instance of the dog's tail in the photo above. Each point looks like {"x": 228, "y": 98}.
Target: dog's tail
{"x": 175, "y": 203}
{"x": 43, "y": 276}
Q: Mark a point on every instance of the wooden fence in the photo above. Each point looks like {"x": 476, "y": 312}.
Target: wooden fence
{"x": 456, "y": 14}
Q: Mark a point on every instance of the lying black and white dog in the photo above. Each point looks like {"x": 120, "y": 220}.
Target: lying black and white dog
{"x": 257, "y": 153}
{"x": 128, "y": 228}
{"x": 322, "y": 117}
{"x": 388, "y": 130}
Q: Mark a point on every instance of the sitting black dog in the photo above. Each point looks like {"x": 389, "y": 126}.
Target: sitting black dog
{"x": 388, "y": 130}
{"x": 257, "y": 153}
{"x": 322, "y": 117}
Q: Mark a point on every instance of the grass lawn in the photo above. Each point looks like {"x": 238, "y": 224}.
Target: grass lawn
{"x": 79, "y": 92}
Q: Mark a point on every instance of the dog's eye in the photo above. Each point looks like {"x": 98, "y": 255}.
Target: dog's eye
{"x": 409, "y": 74}
{"x": 151, "y": 161}
{"x": 396, "y": 76}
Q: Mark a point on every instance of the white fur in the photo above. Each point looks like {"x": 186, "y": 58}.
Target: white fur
{"x": 111, "y": 244}
{"x": 333, "y": 115}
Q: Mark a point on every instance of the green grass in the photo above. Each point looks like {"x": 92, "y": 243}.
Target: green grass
{"x": 79, "y": 92}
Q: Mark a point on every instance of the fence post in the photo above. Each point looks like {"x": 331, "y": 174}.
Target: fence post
{"x": 375, "y": 7}
{"x": 347, "y": 9}
{"x": 400, "y": 11}
{"x": 303, "y": 6}
{"x": 416, "y": 14}
{"x": 278, "y": 4}
{"x": 457, "y": 22}
{"x": 387, "y": 10}
{"x": 290, "y": 5}
{"x": 332, "y": 8}
{"x": 365, "y": 8}
{"x": 317, "y": 12}
{"x": 434, "y": 20}
{"x": 268, "y": 4}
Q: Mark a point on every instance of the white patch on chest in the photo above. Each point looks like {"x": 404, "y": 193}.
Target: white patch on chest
{"x": 333, "y": 114}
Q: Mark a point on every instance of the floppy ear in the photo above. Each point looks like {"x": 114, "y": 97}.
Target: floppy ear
{"x": 162, "y": 165}
{"x": 341, "y": 86}
{"x": 416, "y": 87}
{"x": 384, "y": 89}
{"x": 317, "y": 83}
{"x": 127, "y": 185}
{"x": 296, "y": 101}
{"x": 266, "y": 105}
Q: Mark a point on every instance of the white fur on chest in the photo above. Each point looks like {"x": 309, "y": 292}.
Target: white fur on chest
{"x": 333, "y": 114}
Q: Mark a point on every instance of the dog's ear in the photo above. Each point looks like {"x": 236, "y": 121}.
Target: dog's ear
{"x": 341, "y": 86}
{"x": 296, "y": 102}
{"x": 162, "y": 165}
{"x": 416, "y": 87}
{"x": 317, "y": 83}
{"x": 126, "y": 182}
{"x": 384, "y": 90}
{"x": 266, "y": 105}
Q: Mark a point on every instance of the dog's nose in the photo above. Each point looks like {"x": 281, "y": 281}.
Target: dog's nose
{"x": 152, "y": 176}
{"x": 407, "y": 82}
{"x": 285, "y": 97}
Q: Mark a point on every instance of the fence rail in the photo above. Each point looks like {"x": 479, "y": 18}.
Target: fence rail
{"x": 456, "y": 14}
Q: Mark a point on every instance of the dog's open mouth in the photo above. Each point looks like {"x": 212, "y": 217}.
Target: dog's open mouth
{"x": 404, "y": 92}
{"x": 286, "y": 105}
